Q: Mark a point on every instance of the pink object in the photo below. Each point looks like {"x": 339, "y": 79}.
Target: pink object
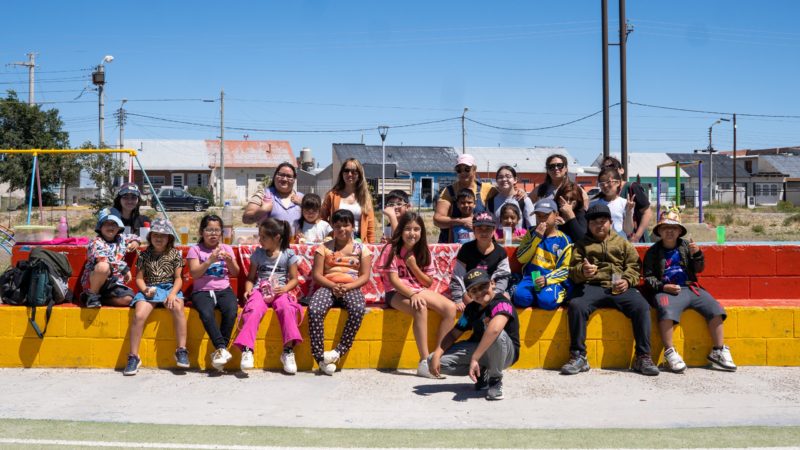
{"x": 62, "y": 229}
{"x": 466, "y": 159}
{"x": 289, "y": 312}
{"x": 60, "y": 241}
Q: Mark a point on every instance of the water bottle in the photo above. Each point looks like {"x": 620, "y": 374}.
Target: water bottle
{"x": 144, "y": 230}
{"x": 227, "y": 220}
{"x": 62, "y": 229}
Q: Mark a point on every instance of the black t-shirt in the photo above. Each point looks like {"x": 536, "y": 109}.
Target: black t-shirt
{"x": 475, "y": 313}
{"x": 639, "y": 196}
{"x": 472, "y": 257}
{"x": 135, "y": 224}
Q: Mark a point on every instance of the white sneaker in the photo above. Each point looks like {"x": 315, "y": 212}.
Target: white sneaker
{"x": 331, "y": 357}
{"x": 289, "y": 363}
{"x": 722, "y": 359}
{"x": 247, "y": 361}
{"x": 423, "y": 371}
{"x": 220, "y": 357}
{"x": 327, "y": 369}
{"x": 674, "y": 361}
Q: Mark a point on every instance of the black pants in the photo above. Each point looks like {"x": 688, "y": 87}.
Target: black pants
{"x": 587, "y": 298}
{"x": 204, "y": 302}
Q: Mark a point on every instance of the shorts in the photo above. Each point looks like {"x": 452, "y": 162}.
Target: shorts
{"x": 672, "y": 306}
{"x": 162, "y": 292}
{"x": 113, "y": 288}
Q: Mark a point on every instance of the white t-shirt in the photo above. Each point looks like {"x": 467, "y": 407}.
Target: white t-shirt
{"x": 617, "y": 208}
{"x": 354, "y": 208}
{"x": 315, "y": 233}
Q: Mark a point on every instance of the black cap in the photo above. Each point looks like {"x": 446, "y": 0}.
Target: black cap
{"x": 598, "y": 210}
{"x": 475, "y": 277}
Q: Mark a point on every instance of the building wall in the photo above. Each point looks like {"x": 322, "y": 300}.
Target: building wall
{"x": 177, "y": 178}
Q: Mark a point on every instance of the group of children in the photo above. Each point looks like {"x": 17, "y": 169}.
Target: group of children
{"x": 602, "y": 270}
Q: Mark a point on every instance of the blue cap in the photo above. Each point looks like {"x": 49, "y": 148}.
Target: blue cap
{"x": 109, "y": 215}
{"x": 545, "y": 205}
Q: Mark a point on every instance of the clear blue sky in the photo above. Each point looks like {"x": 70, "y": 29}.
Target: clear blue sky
{"x": 321, "y": 65}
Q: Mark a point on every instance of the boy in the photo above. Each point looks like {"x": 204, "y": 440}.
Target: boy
{"x": 494, "y": 344}
{"x": 396, "y": 205}
{"x": 671, "y": 266}
{"x": 106, "y": 271}
{"x": 546, "y": 253}
{"x": 461, "y": 234}
{"x": 605, "y": 268}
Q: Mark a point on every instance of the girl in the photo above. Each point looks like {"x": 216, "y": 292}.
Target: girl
{"x": 609, "y": 181}
{"x": 482, "y": 253}
{"x": 506, "y": 178}
{"x": 106, "y": 273}
{"x": 211, "y": 264}
{"x": 510, "y": 218}
{"x": 351, "y": 192}
{"x": 310, "y": 228}
{"x": 127, "y": 203}
{"x": 571, "y": 211}
{"x": 407, "y": 270}
{"x": 159, "y": 282}
{"x": 270, "y": 281}
{"x": 341, "y": 267}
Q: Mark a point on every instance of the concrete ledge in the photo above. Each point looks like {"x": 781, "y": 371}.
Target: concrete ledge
{"x": 77, "y": 337}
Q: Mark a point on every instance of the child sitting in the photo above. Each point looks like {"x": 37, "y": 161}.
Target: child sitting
{"x": 159, "y": 282}
{"x": 461, "y": 234}
{"x": 310, "y": 228}
{"x": 671, "y": 266}
{"x": 546, "y": 253}
{"x": 106, "y": 273}
{"x": 396, "y": 205}
{"x": 510, "y": 218}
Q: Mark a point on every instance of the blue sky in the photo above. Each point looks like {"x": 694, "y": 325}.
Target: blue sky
{"x": 323, "y": 65}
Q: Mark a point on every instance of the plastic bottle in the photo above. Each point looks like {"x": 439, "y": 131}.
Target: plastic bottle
{"x": 62, "y": 229}
{"x": 144, "y": 230}
{"x": 227, "y": 220}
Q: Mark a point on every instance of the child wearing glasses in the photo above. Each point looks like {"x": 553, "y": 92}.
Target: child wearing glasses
{"x": 610, "y": 183}
{"x": 396, "y": 205}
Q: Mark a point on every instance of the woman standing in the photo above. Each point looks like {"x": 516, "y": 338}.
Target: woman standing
{"x": 279, "y": 200}
{"x": 351, "y": 192}
{"x": 506, "y": 178}
{"x": 557, "y": 168}
{"x": 447, "y": 215}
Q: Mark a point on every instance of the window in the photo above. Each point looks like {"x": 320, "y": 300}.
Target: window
{"x": 765, "y": 189}
{"x": 724, "y": 186}
{"x": 748, "y": 166}
{"x": 177, "y": 179}
{"x": 158, "y": 181}
{"x": 197, "y": 179}
{"x": 260, "y": 177}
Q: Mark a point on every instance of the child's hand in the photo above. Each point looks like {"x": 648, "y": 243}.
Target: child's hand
{"x": 172, "y": 302}
{"x": 296, "y": 199}
{"x": 248, "y": 293}
{"x": 566, "y": 209}
{"x": 620, "y": 286}
{"x": 150, "y": 292}
{"x": 460, "y": 306}
{"x": 339, "y": 290}
{"x": 389, "y": 211}
{"x": 540, "y": 282}
{"x": 673, "y": 289}
{"x": 693, "y": 247}
{"x": 467, "y": 222}
{"x": 631, "y": 203}
{"x": 127, "y": 277}
{"x": 589, "y": 269}
{"x": 215, "y": 254}
{"x": 132, "y": 246}
{"x": 541, "y": 228}
{"x": 411, "y": 261}
{"x": 418, "y": 303}
{"x": 474, "y": 370}
{"x": 279, "y": 290}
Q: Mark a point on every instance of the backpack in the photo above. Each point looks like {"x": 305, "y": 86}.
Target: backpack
{"x": 44, "y": 283}
{"x": 11, "y": 292}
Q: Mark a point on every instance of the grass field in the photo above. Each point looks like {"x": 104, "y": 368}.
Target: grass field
{"x": 45, "y": 433}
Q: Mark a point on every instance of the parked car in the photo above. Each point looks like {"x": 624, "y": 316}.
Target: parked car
{"x": 177, "y": 198}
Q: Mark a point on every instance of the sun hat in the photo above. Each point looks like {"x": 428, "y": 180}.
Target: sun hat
{"x": 670, "y": 217}
{"x": 161, "y": 226}
{"x": 109, "y": 215}
{"x": 129, "y": 188}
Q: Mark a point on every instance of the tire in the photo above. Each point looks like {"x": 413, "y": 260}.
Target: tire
{"x": 198, "y": 207}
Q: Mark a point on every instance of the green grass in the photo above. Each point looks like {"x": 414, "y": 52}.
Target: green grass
{"x": 473, "y": 437}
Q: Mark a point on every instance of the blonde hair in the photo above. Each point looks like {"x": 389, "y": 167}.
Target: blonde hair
{"x": 362, "y": 189}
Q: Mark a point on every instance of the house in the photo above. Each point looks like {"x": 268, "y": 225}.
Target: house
{"x": 645, "y": 165}
{"x": 722, "y": 177}
{"x": 195, "y": 163}
{"x": 428, "y": 169}
{"x": 529, "y": 163}
{"x": 775, "y": 171}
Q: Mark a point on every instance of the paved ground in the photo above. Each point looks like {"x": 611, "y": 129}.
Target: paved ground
{"x": 369, "y": 398}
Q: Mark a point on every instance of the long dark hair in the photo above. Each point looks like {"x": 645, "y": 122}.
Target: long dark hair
{"x": 312, "y": 202}
{"x": 541, "y": 191}
{"x": 613, "y": 174}
{"x": 362, "y": 187}
{"x": 421, "y": 251}
{"x": 277, "y": 169}
{"x": 204, "y": 224}
{"x": 134, "y": 213}
{"x": 276, "y": 227}
{"x": 571, "y": 192}
{"x": 508, "y": 168}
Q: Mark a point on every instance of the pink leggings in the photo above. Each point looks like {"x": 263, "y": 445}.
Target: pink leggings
{"x": 289, "y": 312}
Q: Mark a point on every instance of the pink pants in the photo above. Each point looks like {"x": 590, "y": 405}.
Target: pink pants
{"x": 289, "y": 312}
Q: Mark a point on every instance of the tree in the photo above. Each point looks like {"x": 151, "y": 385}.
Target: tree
{"x": 103, "y": 169}
{"x": 24, "y": 126}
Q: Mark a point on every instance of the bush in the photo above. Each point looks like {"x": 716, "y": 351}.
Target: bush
{"x": 727, "y": 219}
{"x": 710, "y": 218}
{"x": 791, "y": 220}
{"x": 204, "y": 192}
{"x": 786, "y": 207}
{"x": 757, "y": 228}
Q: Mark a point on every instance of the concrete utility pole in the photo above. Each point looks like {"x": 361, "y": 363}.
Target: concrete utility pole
{"x": 606, "y": 131}
{"x": 623, "y": 87}
{"x": 734, "y": 165}
{"x": 31, "y": 65}
{"x": 464, "y": 131}
{"x": 121, "y": 122}
{"x": 222, "y": 146}
{"x": 99, "y": 80}
{"x": 383, "y": 130}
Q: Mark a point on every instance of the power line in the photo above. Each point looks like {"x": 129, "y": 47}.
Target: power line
{"x": 775, "y": 116}
{"x": 541, "y": 128}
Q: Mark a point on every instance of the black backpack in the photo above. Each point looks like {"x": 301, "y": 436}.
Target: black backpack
{"x": 11, "y": 281}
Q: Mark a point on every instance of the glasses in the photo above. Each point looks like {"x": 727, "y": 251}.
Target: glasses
{"x": 505, "y": 177}
{"x": 285, "y": 176}
{"x": 350, "y": 171}
{"x": 607, "y": 183}
{"x": 609, "y": 166}
{"x": 556, "y": 166}
{"x": 212, "y": 231}
{"x": 463, "y": 168}
{"x": 395, "y": 204}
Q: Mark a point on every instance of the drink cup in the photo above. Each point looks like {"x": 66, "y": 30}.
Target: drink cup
{"x": 616, "y": 276}
{"x": 720, "y": 234}
{"x": 507, "y": 235}
{"x": 184, "y": 234}
{"x": 534, "y": 276}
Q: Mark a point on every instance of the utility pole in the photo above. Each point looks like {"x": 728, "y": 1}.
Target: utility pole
{"x": 31, "y": 65}
{"x": 606, "y": 135}
{"x": 121, "y": 122}
{"x": 464, "y": 131}
{"x": 623, "y": 88}
{"x": 734, "y": 165}
{"x": 222, "y": 146}
{"x": 383, "y": 130}
{"x": 99, "y": 80}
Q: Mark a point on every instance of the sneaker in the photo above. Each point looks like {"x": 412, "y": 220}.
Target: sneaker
{"x": 248, "y": 362}
{"x": 495, "y": 389}
{"x": 220, "y": 357}
{"x": 674, "y": 361}
{"x": 577, "y": 363}
{"x": 327, "y": 369}
{"x": 645, "y": 366}
{"x": 331, "y": 357}
{"x": 721, "y": 359}
{"x": 92, "y": 300}
{"x": 288, "y": 361}
{"x": 482, "y": 384}
{"x": 182, "y": 358}
{"x": 132, "y": 367}
{"x": 423, "y": 370}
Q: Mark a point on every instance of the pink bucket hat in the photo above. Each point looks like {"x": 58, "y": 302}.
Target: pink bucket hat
{"x": 465, "y": 159}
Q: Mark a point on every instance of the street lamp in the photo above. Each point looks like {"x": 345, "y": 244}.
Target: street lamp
{"x": 99, "y": 79}
{"x": 383, "y": 130}
{"x": 710, "y": 150}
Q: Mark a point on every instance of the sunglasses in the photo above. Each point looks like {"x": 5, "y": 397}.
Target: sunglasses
{"x": 462, "y": 169}
{"x": 556, "y": 166}
{"x": 609, "y": 166}
{"x": 350, "y": 171}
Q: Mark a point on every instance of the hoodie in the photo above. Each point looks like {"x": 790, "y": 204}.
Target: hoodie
{"x": 615, "y": 254}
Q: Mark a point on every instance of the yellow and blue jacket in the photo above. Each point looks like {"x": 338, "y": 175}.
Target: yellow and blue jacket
{"x": 551, "y": 256}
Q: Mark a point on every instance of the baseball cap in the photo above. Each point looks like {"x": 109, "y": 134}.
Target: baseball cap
{"x": 545, "y": 205}
{"x": 484, "y": 218}
{"x": 475, "y": 277}
{"x": 129, "y": 188}
{"x": 465, "y": 159}
{"x": 598, "y": 210}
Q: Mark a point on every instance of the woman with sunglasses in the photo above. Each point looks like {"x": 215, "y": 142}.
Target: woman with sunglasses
{"x": 351, "y": 192}
{"x": 447, "y": 215}
{"x": 279, "y": 200}
{"x": 558, "y": 181}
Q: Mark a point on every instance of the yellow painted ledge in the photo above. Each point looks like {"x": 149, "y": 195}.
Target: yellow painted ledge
{"x": 761, "y": 336}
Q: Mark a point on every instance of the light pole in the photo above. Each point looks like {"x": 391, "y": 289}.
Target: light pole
{"x": 710, "y": 150}
{"x": 99, "y": 79}
{"x": 464, "y": 131}
{"x": 383, "y": 130}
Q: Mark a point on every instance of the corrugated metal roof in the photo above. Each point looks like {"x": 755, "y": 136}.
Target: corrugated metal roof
{"x": 723, "y": 165}
{"x": 408, "y": 158}
{"x": 251, "y": 154}
{"x": 162, "y": 154}
{"x": 786, "y": 164}
{"x": 522, "y": 159}
{"x": 644, "y": 164}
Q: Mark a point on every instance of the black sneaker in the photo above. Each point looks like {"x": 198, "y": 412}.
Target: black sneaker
{"x": 495, "y": 389}
{"x": 132, "y": 368}
{"x": 645, "y": 366}
{"x": 91, "y": 300}
{"x": 577, "y": 363}
{"x": 182, "y": 358}
{"x": 482, "y": 384}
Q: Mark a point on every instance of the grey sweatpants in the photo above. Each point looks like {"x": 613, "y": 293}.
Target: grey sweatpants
{"x": 500, "y": 355}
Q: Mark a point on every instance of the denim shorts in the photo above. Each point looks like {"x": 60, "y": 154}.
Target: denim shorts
{"x": 162, "y": 292}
